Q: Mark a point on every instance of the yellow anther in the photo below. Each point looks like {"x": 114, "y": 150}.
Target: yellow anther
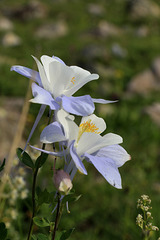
{"x": 87, "y": 126}
{"x": 73, "y": 80}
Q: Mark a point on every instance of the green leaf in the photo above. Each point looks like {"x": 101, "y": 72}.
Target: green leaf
{"x": 34, "y": 237}
{"x": 66, "y": 234}
{"x": 41, "y": 222}
{"x": 2, "y": 165}
{"x": 41, "y": 236}
{"x": 25, "y": 158}
{"x": 71, "y": 198}
{"x": 3, "y": 231}
{"x": 41, "y": 160}
{"x": 44, "y": 196}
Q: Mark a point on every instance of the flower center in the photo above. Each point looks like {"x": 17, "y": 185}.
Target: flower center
{"x": 73, "y": 80}
{"x": 87, "y": 126}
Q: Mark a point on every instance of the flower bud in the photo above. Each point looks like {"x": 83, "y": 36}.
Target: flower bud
{"x": 62, "y": 181}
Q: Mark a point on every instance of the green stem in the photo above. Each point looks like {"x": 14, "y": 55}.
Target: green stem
{"x": 57, "y": 218}
{"x": 35, "y": 172}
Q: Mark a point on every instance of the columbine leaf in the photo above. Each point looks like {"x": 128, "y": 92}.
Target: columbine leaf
{"x": 71, "y": 198}
{"x": 41, "y": 160}
{"x": 41, "y": 236}
{"x": 66, "y": 234}
{"x": 34, "y": 237}
{"x": 44, "y": 196}
{"x": 2, "y": 165}
{"x": 41, "y": 222}
{"x": 25, "y": 158}
{"x": 3, "y": 231}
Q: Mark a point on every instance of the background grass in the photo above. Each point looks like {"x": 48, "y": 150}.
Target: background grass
{"x": 102, "y": 212}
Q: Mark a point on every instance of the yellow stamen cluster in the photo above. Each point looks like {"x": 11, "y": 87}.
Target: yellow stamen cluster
{"x": 87, "y": 126}
{"x": 73, "y": 80}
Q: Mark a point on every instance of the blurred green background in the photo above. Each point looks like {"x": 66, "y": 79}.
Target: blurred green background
{"x": 119, "y": 40}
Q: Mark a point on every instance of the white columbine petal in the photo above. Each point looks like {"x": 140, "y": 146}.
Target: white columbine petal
{"x": 97, "y": 123}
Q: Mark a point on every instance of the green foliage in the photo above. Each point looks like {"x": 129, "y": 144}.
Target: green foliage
{"x": 44, "y": 196}
{"x": 40, "y": 236}
{"x": 41, "y": 160}
{"x": 41, "y": 222}
{"x": 66, "y": 234}
{"x": 2, "y": 165}
{"x": 25, "y": 158}
{"x": 3, "y": 231}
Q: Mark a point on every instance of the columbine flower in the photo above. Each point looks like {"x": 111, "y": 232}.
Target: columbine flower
{"x": 85, "y": 142}
{"x": 57, "y": 82}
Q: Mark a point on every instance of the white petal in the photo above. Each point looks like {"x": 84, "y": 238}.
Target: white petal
{"x": 79, "y": 81}
{"x": 92, "y": 142}
{"x": 60, "y": 75}
{"x": 43, "y": 76}
{"x": 98, "y": 122}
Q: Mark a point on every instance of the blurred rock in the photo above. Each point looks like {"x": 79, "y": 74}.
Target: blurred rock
{"x": 95, "y": 51}
{"x": 142, "y": 31}
{"x": 118, "y": 51}
{"x": 106, "y": 29}
{"x": 28, "y": 11}
{"x": 52, "y": 30}
{"x": 143, "y": 8}
{"x": 95, "y": 9}
{"x": 10, "y": 39}
{"x": 104, "y": 71}
{"x": 156, "y": 67}
{"x": 5, "y": 24}
{"x": 154, "y": 112}
{"x": 143, "y": 83}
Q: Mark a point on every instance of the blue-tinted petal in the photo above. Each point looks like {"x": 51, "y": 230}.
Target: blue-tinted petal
{"x": 115, "y": 152}
{"x": 107, "y": 168}
{"x": 103, "y": 101}
{"x": 81, "y": 106}
{"x": 27, "y": 72}
{"x": 58, "y": 59}
{"x": 41, "y": 96}
{"x": 41, "y": 111}
{"x": 77, "y": 160}
{"x": 57, "y": 154}
{"x": 52, "y": 133}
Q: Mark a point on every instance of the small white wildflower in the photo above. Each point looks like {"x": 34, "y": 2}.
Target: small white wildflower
{"x": 24, "y": 194}
{"x": 19, "y": 182}
{"x": 8, "y": 224}
{"x": 155, "y": 228}
{"x": 13, "y": 214}
{"x": 21, "y": 171}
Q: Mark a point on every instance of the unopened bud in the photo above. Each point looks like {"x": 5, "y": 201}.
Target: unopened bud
{"x": 62, "y": 181}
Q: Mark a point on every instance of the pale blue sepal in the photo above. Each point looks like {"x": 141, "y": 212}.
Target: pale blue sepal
{"x": 77, "y": 161}
{"x": 81, "y": 106}
{"x": 107, "y": 168}
{"x": 41, "y": 96}
{"x": 115, "y": 152}
{"x": 58, "y": 59}
{"x": 103, "y": 101}
{"x": 27, "y": 72}
{"x": 52, "y": 133}
{"x": 57, "y": 154}
{"x": 41, "y": 111}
